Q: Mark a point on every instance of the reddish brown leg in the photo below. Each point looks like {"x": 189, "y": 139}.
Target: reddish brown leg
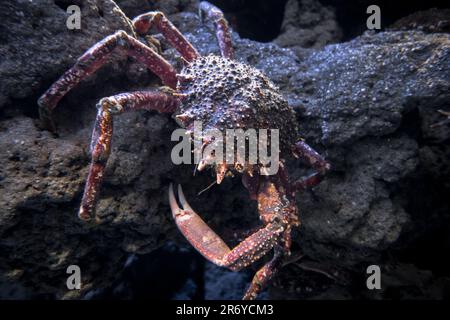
{"x": 265, "y": 274}
{"x": 212, "y": 13}
{"x": 275, "y": 193}
{"x": 278, "y": 213}
{"x": 212, "y": 247}
{"x": 93, "y": 59}
{"x": 308, "y": 154}
{"x": 102, "y": 133}
{"x": 144, "y": 22}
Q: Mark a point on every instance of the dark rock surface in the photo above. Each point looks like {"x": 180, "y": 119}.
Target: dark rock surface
{"x": 432, "y": 20}
{"x": 308, "y": 24}
{"x": 366, "y": 105}
{"x": 34, "y": 36}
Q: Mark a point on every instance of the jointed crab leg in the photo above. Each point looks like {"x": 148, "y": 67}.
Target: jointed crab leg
{"x": 212, "y": 247}
{"x": 145, "y": 21}
{"x": 102, "y": 134}
{"x": 211, "y": 12}
{"x": 308, "y": 154}
{"x": 198, "y": 233}
{"x": 277, "y": 214}
{"x": 93, "y": 59}
{"x": 265, "y": 274}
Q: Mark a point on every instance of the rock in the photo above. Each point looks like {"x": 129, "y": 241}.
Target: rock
{"x": 41, "y": 182}
{"x": 35, "y": 36}
{"x": 360, "y": 94}
{"x": 223, "y": 284}
{"x": 351, "y": 98}
{"x": 433, "y": 20}
{"x": 133, "y": 8}
{"x": 308, "y": 24}
{"x": 356, "y": 80}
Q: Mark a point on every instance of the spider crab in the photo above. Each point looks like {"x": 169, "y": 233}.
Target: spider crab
{"x": 221, "y": 93}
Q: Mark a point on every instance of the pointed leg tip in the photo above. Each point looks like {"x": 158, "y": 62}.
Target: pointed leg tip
{"x": 171, "y": 194}
{"x": 182, "y": 198}
{"x": 84, "y": 215}
{"x": 180, "y": 190}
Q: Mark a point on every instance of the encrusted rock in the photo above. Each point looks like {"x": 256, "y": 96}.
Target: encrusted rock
{"x": 308, "y": 24}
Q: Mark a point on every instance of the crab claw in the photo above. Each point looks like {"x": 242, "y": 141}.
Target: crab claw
{"x": 196, "y": 231}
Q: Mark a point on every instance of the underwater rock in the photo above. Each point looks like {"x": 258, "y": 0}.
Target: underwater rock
{"x": 133, "y": 8}
{"x": 433, "y": 20}
{"x": 308, "y": 24}
{"x": 351, "y": 99}
{"x": 35, "y": 37}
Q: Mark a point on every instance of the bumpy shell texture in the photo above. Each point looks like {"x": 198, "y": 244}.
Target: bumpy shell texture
{"x": 225, "y": 94}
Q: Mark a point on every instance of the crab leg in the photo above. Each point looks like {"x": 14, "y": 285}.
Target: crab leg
{"x": 251, "y": 183}
{"x": 93, "y": 59}
{"x": 214, "y": 14}
{"x": 265, "y": 274}
{"x": 144, "y": 22}
{"x": 212, "y": 247}
{"x": 102, "y": 134}
{"x": 308, "y": 154}
{"x": 277, "y": 212}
